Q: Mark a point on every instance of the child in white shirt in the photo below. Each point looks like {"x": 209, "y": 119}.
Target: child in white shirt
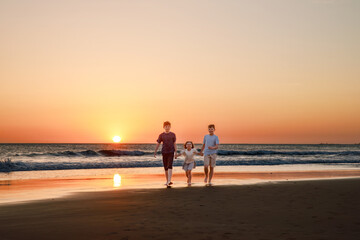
{"x": 189, "y": 152}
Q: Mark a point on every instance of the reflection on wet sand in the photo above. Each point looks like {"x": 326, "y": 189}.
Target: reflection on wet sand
{"x": 117, "y": 180}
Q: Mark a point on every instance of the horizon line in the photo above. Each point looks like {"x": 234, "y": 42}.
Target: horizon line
{"x": 182, "y": 143}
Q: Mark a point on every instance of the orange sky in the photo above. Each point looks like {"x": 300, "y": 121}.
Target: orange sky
{"x": 262, "y": 71}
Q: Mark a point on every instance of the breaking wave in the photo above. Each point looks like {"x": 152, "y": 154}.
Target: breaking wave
{"x": 58, "y": 165}
{"x": 117, "y": 153}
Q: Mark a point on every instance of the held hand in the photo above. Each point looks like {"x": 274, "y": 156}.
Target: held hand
{"x": 211, "y": 147}
{"x": 201, "y": 154}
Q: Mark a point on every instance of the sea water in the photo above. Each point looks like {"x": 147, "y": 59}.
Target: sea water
{"x": 35, "y": 157}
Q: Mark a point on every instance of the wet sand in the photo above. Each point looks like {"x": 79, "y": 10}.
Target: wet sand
{"x": 312, "y": 209}
{"x": 23, "y": 190}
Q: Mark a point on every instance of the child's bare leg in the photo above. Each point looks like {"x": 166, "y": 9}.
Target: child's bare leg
{"x": 166, "y": 175}
{"x": 169, "y": 176}
{"x": 189, "y": 177}
{"x": 211, "y": 173}
{"x": 206, "y": 170}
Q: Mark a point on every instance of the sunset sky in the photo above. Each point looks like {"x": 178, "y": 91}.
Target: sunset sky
{"x": 262, "y": 71}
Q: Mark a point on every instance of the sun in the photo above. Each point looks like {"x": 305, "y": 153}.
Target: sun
{"x": 116, "y": 139}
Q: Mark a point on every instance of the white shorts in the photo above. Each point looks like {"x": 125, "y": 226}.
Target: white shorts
{"x": 188, "y": 166}
{"x": 210, "y": 160}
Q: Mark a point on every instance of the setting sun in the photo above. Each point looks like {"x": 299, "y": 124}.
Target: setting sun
{"x": 116, "y": 139}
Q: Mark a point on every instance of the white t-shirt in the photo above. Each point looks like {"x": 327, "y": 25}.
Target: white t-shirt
{"x": 189, "y": 155}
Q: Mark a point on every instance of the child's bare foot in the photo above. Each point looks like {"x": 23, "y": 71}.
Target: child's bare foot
{"x": 170, "y": 183}
{"x": 189, "y": 184}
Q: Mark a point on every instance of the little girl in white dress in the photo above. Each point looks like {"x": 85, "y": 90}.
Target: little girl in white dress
{"x": 189, "y": 152}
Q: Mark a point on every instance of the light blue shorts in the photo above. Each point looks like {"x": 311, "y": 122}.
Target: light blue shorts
{"x": 188, "y": 166}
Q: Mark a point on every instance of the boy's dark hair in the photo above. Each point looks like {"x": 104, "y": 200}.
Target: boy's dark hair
{"x": 192, "y": 144}
{"x": 211, "y": 126}
{"x": 167, "y": 123}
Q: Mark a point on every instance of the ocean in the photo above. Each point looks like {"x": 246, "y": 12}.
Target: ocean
{"x": 35, "y": 157}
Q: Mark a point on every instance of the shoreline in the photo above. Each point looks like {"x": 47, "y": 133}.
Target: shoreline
{"x": 23, "y": 190}
{"x": 299, "y": 209}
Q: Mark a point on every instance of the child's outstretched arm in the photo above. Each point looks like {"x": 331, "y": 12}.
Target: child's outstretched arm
{"x": 202, "y": 147}
{"x": 175, "y": 147}
{"x": 156, "y": 148}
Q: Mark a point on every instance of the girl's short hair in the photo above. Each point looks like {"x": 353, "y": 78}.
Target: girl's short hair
{"x": 192, "y": 144}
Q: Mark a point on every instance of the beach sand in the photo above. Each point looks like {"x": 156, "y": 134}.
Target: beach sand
{"x": 311, "y": 209}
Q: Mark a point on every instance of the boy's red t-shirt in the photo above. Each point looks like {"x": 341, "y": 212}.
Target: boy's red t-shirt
{"x": 168, "y": 140}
